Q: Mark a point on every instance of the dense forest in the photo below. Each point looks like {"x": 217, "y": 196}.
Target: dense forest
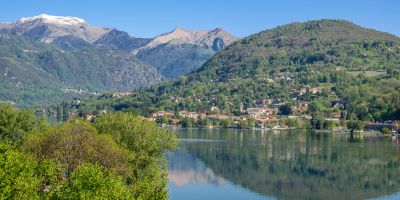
{"x": 118, "y": 156}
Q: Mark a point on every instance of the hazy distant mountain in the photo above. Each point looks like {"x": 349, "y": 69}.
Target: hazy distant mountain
{"x": 172, "y": 54}
{"x": 121, "y": 40}
{"x": 35, "y": 73}
{"x": 215, "y": 39}
{"x": 181, "y": 51}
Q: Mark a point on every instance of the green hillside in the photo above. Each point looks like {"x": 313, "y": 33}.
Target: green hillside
{"x": 340, "y": 59}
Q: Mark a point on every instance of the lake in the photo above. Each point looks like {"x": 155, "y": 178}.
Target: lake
{"x": 249, "y": 164}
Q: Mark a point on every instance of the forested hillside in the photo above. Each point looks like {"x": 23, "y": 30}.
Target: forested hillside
{"x": 337, "y": 59}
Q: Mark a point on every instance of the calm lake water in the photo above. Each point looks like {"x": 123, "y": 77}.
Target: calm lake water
{"x": 246, "y": 164}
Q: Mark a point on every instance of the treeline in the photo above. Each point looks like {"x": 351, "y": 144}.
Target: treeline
{"x": 118, "y": 156}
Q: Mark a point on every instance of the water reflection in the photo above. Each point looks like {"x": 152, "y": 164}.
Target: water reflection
{"x": 287, "y": 165}
{"x": 187, "y": 169}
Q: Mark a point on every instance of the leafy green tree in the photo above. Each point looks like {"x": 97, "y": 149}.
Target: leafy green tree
{"x": 147, "y": 143}
{"x": 292, "y": 123}
{"x": 75, "y": 143}
{"x": 386, "y": 131}
{"x": 317, "y": 121}
{"x": 285, "y": 110}
{"x": 355, "y": 125}
{"x": 90, "y": 181}
{"x": 14, "y": 123}
{"x": 18, "y": 179}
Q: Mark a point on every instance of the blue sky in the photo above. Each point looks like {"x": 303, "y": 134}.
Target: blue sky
{"x": 149, "y": 18}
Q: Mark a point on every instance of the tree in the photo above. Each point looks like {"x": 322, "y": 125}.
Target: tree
{"x": 147, "y": 143}
{"x": 14, "y": 123}
{"x": 355, "y": 125}
{"x": 75, "y": 143}
{"x": 285, "y": 110}
{"x": 187, "y": 122}
{"x": 292, "y": 123}
{"x": 317, "y": 121}
{"x": 18, "y": 179}
{"x": 91, "y": 181}
{"x": 386, "y": 131}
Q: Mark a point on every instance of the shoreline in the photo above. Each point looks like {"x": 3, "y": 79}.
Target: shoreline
{"x": 344, "y": 132}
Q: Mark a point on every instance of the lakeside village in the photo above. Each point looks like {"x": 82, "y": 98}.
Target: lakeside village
{"x": 265, "y": 114}
{"x": 271, "y": 116}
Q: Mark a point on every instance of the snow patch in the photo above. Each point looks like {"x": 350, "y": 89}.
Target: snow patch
{"x": 68, "y": 20}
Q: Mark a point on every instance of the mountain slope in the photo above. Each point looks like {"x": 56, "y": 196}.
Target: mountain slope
{"x": 314, "y": 42}
{"x": 47, "y": 28}
{"x": 121, "y": 40}
{"x": 31, "y": 65}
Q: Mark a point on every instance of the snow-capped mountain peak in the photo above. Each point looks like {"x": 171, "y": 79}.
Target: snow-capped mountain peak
{"x": 68, "y": 20}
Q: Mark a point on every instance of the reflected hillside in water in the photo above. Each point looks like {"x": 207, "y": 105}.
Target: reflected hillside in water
{"x": 290, "y": 165}
{"x": 187, "y": 169}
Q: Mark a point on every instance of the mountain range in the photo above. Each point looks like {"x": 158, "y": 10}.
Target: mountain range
{"x": 43, "y": 55}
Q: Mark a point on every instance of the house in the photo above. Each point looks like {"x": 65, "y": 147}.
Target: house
{"x": 218, "y": 116}
{"x": 214, "y": 108}
{"x": 162, "y": 113}
{"x": 298, "y": 92}
{"x": 314, "y": 90}
{"x": 178, "y": 99}
{"x": 193, "y": 115}
{"x": 301, "y": 107}
{"x": 336, "y": 115}
{"x": 175, "y": 122}
{"x": 121, "y": 94}
{"x": 259, "y": 111}
{"x": 72, "y": 114}
{"x": 264, "y": 118}
{"x": 261, "y": 114}
{"x": 202, "y": 111}
{"x": 76, "y": 101}
{"x": 90, "y": 117}
{"x": 340, "y": 103}
{"x": 40, "y": 111}
{"x": 276, "y": 105}
{"x": 263, "y": 102}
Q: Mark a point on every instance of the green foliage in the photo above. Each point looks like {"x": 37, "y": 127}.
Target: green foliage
{"x": 386, "y": 131}
{"x": 355, "y": 125}
{"x": 18, "y": 179}
{"x": 75, "y": 143}
{"x": 90, "y": 181}
{"x": 14, "y": 123}
{"x": 285, "y": 110}
{"x": 118, "y": 157}
{"x": 147, "y": 144}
